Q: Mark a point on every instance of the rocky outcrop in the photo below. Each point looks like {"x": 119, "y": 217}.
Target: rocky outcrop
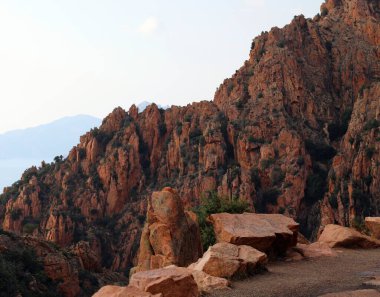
{"x": 269, "y": 233}
{"x": 358, "y": 293}
{"x": 170, "y": 236}
{"x": 338, "y": 236}
{"x": 208, "y": 283}
{"x": 170, "y": 282}
{"x": 46, "y": 267}
{"x": 87, "y": 257}
{"x": 294, "y": 131}
{"x": 226, "y": 260}
{"x": 373, "y": 225}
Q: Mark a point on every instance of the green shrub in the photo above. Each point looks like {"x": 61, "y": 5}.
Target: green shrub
{"x": 255, "y": 177}
{"x": 333, "y": 201}
{"x": 369, "y": 152}
{"x": 316, "y": 186}
{"x": 281, "y": 43}
{"x": 16, "y": 214}
{"x": 212, "y": 203}
{"x": 28, "y": 228}
{"x": 179, "y": 128}
{"x": 18, "y": 268}
{"x": 371, "y": 124}
{"x": 239, "y": 104}
{"x": 266, "y": 163}
{"x": 187, "y": 118}
{"x": 324, "y": 12}
{"x": 277, "y": 176}
{"x": 271, "y": 195}
{"x": 162, "y": 128}
{"x": 82, "y": 153}
{"x": 320, "y": 151}
{"x": 300, "y": 161}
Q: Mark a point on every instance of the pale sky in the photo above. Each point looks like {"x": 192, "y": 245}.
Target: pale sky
{"x": 68, "y": 57}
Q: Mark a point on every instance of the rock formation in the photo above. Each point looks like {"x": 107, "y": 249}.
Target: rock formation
{"x": 230, "y": 261}
{"x": 294, "y": 131}
{"x": 269, "y": 233}
{"x": 170, "y": 282}
{"x": 313, "y": 250}
{"x": 46, "y": 269}
{"x": 170, "y": 236}
{"x": 373, "y": 225}
{"x": 338, "y": 236}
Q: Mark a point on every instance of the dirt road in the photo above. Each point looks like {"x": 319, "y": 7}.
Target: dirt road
{"x": 309, "y": 278}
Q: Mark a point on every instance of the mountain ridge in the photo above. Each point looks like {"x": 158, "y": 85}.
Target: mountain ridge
{"x": 294, "y": 131}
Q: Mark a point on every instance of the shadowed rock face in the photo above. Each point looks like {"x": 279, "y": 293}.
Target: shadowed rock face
{"x": 295, "y": 130}
{"x": 48, "y": 270}
{"x": 170, "y": 235}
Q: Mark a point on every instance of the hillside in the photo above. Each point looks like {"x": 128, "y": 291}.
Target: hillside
{"x": 295, "y": 130}
{"x": 20, "y": 149}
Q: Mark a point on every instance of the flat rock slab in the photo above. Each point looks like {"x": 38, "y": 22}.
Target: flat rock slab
{"x": 269, "y": 233}
{"x": 358, "y": 293}
{"x": 170, "y": 282}
{"x": 339, "y": 236}
{"x": 227, "y": 260}
{"x": 373, "y": 224}
{"x": 116, "y": 291}
{"x": 208, "y": 283}
{"x": 314, "y": 250}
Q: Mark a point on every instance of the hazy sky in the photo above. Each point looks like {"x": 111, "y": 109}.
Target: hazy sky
{"x": 67, "y": 57}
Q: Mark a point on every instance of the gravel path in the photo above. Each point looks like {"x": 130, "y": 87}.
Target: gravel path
{"x": 310, "y": 278}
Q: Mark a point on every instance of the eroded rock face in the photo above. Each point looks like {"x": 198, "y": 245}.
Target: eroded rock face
{"x": 170, "y": 282}
{"x": 115, "y": 291}
{"x": 87, "y": 256}
{"x": 295, "y": 131}
{"x": 338, "y": 236}
{"x": 170, "y": 236}
{"x": 227, "y": 260}
{"x": 270, "y": 233}
{"x": 373, "y": 224}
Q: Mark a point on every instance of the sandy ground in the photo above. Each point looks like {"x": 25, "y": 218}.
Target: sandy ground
{"x": 309, "y": 278}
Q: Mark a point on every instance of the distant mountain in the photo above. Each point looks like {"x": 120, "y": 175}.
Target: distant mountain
{"x": 19, "y": 149}
{"x": 142, "y": 105}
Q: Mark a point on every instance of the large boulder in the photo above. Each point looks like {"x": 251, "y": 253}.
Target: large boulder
{"x": 116, "y": 291}
{"x": 339, "y": 236}
{"x": 229, "y": 261}
{"x": 373, "y": 224}
{"x": 269, "y": 233}
{"x": 314, "y": 250}
{"x": 170, "y": 236}
{"x": 170, "y": 281}
{"x": 208, "y": 283}
{"x": 358, "y": 293}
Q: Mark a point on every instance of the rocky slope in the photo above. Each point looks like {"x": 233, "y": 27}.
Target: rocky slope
{"x": 34, "y": 267}
{"x": 294, "y": 131}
